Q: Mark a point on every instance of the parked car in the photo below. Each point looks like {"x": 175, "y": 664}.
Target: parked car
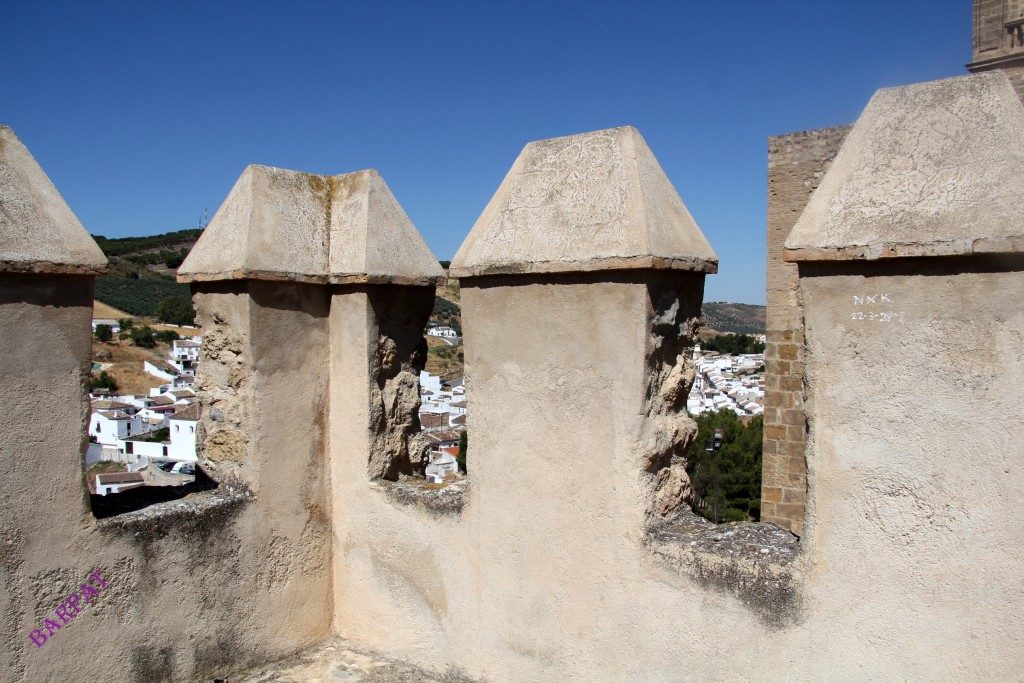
{"x": 184, "y": 468}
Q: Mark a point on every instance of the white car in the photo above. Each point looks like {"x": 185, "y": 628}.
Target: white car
{"x": 184, "y": 468}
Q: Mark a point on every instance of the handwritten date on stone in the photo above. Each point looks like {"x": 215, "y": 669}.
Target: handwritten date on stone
{"x": 867, "y": 300}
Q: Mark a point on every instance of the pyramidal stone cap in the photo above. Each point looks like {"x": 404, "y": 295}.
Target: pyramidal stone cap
{"x": 931, "y": 169}
{"x": 38, "y": 231}
{"x": 286, "y": 225}
{"x": 589, "y": 202}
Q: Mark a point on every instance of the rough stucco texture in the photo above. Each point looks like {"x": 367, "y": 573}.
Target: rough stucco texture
{"x": 594, "y": 201}
{"x": 38, "y": 231}
{"x": 543, "y": 576}
{"x": 909, "y": 567}
{"x": 914, "y": 464}
{"x": 191, "y": 595}
{"x": 928, "y": 169}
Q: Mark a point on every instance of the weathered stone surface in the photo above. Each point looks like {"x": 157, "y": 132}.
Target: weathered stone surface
{"x": 931, "y": 169}
{"x": 400, "y": 314}
{"x": 595, "y": 201}
{"x": 38, "y": 231}
{"x": 278, "y": 224}
{"x": 753, "y": 562}
{"x": 669, "y": 430}
{"x": 213, "y": 578}
{"x": 913, "y": 503}
{"x": 445, "y": 498}
{"x": 341, "y": 660}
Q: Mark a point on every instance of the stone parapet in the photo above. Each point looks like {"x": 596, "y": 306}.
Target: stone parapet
{"x": 589, "y": 202}
{"x": 930, "y": 169}
{"x": 38, "y": 232}
{"x": 290, "y": 226}
{"x": 592, "y": 215}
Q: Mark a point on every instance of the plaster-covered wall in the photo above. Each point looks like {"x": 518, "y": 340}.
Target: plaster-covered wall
{"x": 913, "y": 390}
{"x": 558, "y": 566}
{"x": 193, "y": 588}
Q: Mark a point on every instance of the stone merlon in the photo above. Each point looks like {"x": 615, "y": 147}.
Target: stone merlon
{"x": 931, "y": 169}
{"x": 286, "y": 225}
{"x": 594, "y": 201}
{"x": 38, "y": 231}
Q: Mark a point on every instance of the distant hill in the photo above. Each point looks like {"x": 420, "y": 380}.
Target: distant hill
{"x": 127, "y": 247}
{"x": 142, "y": 270}
{"x": 142, "y": 275}
{"x": 720, "y": 316}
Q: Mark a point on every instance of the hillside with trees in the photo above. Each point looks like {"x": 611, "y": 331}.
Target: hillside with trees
{"x": 718, "y": 317}
{"x": 734, "y": 344}
{"x": 141, "y": 278}
{"x": 725, "y": 470}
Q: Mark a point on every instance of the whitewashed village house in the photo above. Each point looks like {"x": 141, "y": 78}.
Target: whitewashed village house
{"x": 443, "y": 332}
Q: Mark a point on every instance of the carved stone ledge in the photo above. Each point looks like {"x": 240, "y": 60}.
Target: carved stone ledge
{"x": 752, "y": 561}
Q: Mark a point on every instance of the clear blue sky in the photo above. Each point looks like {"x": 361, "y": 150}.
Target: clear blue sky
{"x": 143, "y": 113}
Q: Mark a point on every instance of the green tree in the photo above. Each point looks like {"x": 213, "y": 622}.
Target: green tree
{"x": 166, "y": 336}
{"x": 726, "y": 472}
{"x": 159, "y": 435}
{"x": 104, "y": 333}
{"x": 143, "y": 337}
{"x": 734, "y": 344}
{"x": 126, "y": 323}
{"x": 176, "y": 310}
{"x": 172, "y": 258}
{"x": 463, "y": 447}
{"x": 102, "y": 381}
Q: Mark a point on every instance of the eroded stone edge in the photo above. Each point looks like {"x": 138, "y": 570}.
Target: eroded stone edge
{"x": 337, "y": 279}
{"x": 872, "y": 252}
{"x": 699, "y": 265}
{"x": 51, "y": 268}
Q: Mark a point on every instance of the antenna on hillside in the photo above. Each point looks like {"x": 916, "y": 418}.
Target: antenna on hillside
{"x": 204, "y": 221}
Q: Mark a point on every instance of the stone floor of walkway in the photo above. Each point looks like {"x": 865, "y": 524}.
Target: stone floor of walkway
{"x": 338, "y": 660}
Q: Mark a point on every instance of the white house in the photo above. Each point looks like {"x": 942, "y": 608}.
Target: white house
{"x": 429, "y": 382}
{"x": 161, "y": 369}
{"x": 446, "y": 332}
{"x": 116, "y": 482}
{"x": 438, "y": 441}
{"x": 158, "y": 406}
{"x": 185, "y": 356}
{"x": 111, "y": 426}
{"x": 182, "y": 425}
{"x": 186, "y": 349}
{"x": 441, "y": 465}
{"x": 114, "y": 326}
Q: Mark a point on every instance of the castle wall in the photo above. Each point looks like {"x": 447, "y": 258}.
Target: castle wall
{"x": 217, "y": 581}
{"x": 573, "y": 555}
{"x": 998, "y": 40}
{"x": 914, "y": 443}
{"x": 796, "y": 165}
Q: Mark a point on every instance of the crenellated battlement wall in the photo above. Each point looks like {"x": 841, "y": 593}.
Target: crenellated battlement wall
{"x": 574, "y": 555}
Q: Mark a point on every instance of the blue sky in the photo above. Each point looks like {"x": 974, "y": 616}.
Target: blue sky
{"x": 145, "y": 113}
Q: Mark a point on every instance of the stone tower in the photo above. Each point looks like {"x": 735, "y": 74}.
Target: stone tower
{"x": 998, "y": 41}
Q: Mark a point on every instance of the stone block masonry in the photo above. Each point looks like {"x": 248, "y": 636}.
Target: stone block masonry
{"x": 998, "y": 41}
{"x": 796, "y": 165}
